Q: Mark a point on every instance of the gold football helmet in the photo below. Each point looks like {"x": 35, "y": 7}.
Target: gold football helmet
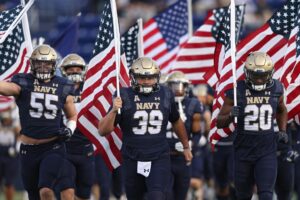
{"x": 43, "y": 62}
{"x": 144, "y": 67}
{"x": 258, "y": 70}
{"x": 178, "y": 83}
{"x": 73, "y": 60}
{"x": 163, "y": 79}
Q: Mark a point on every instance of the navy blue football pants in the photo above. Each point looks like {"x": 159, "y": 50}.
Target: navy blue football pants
{"x": 285, "y": 180}
{"x": 180, "y": 178}
{"x": 261, "y": 172}
{"x": 41, "y": 166}
{"x": 154, "y": 186}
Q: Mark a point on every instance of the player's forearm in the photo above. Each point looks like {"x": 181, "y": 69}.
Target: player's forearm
{"x": 282, "y": 120}
{"x": 180, "y": 131}
{"x": 107, "y": 124}
{"x": 223, "y": 120}
{"x": 9, "y": 89}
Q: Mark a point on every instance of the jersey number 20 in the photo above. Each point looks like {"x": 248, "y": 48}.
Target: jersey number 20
{"x": 258, "y": 118}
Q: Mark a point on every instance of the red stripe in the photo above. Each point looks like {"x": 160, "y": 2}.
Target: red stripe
{"x": 150, "y": 34}
{"x": 195, "y": 57}
{"x": 195, "y": 45}
{"x": 154, "y": 45}
{"x": 192, "y": 70}
{"x": 203, "y": 34}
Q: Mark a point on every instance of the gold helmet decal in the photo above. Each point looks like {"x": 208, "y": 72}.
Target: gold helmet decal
{"x": 144, "y": 67}
{"x": 43, "y": 62}
{"x": 73, "y": 60}
{"x": 258, "y": 70}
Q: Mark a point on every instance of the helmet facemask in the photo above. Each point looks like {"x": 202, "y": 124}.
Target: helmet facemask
{"x": 43, "y": 70}
{"x": 179, "y": 88}
{"x": 144, "y": 88}
{"x": 76, "y": 75}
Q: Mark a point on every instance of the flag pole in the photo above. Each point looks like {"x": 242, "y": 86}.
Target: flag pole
{"x": 117, "y": 41}
{"x": 190, "y": 19}
{"x": 26, "y": 29}
{"x": 16, "y": 21}
{"x": 233, "y": 51}
{"x": 140, "y": 38}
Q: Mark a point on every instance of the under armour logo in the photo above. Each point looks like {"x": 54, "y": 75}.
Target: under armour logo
{"x": 146, "y": 170}
{"x": 157, "y": 98}
{"x": 267, "y": 92}
{"x": 23, "y": 152}
{"x": 55, "y": 85}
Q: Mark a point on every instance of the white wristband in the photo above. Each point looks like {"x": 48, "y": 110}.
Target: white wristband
{"x": 71, "y": 124}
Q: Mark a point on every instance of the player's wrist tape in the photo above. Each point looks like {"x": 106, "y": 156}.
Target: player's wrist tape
{"x": 71, "y": 124}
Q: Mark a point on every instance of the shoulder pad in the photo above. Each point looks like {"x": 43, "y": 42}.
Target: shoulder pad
{"x": 68, "y": 86}
{"x": 278, "y": 88}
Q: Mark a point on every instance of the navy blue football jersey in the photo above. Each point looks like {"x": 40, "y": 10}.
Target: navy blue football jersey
{"x": 78, "y": 143}
{"x": 255, "y": 134}
{"x": 143, "y": 121}
{"x": 190, "y": 106}
{"x": 40, "y": 104}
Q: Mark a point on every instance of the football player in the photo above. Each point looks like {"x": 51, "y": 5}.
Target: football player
{"x": 9, "y": 129}
{"x": 190, "y": 111}
{"x": 145, "y": 109}
{"x": 78, "y": 173}
{"x": 259, "y": 100}
{"x": 202, "y": 160}
{"x": 286, "y": 158}
{"x": 41, "y": 96}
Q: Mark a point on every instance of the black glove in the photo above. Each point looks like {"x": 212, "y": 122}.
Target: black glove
{"x": 65, "y": 134}
{"x": 283, "y": 137}
{"x": 235, "y": 111}
{"x": 291, "y": 156}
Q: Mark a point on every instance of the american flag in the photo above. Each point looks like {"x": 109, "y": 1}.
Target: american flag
{"x": 7, "y": 17}
{"x": 13, "y": 59}
{"x": 290, "y": 75}
{"x": 129, "y": 42}
{"x": 99, "y": 85}
{"x": 202, "y": 52}
{"x": 165, "y": 34}
{"x": 271, "y": 38}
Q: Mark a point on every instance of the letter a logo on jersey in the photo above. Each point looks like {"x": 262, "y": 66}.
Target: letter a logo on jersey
{"x": 136, "y": 98}
{"x": 248, "y": 93}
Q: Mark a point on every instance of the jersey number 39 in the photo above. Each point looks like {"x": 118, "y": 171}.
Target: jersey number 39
{"x": 148, "y": 122}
